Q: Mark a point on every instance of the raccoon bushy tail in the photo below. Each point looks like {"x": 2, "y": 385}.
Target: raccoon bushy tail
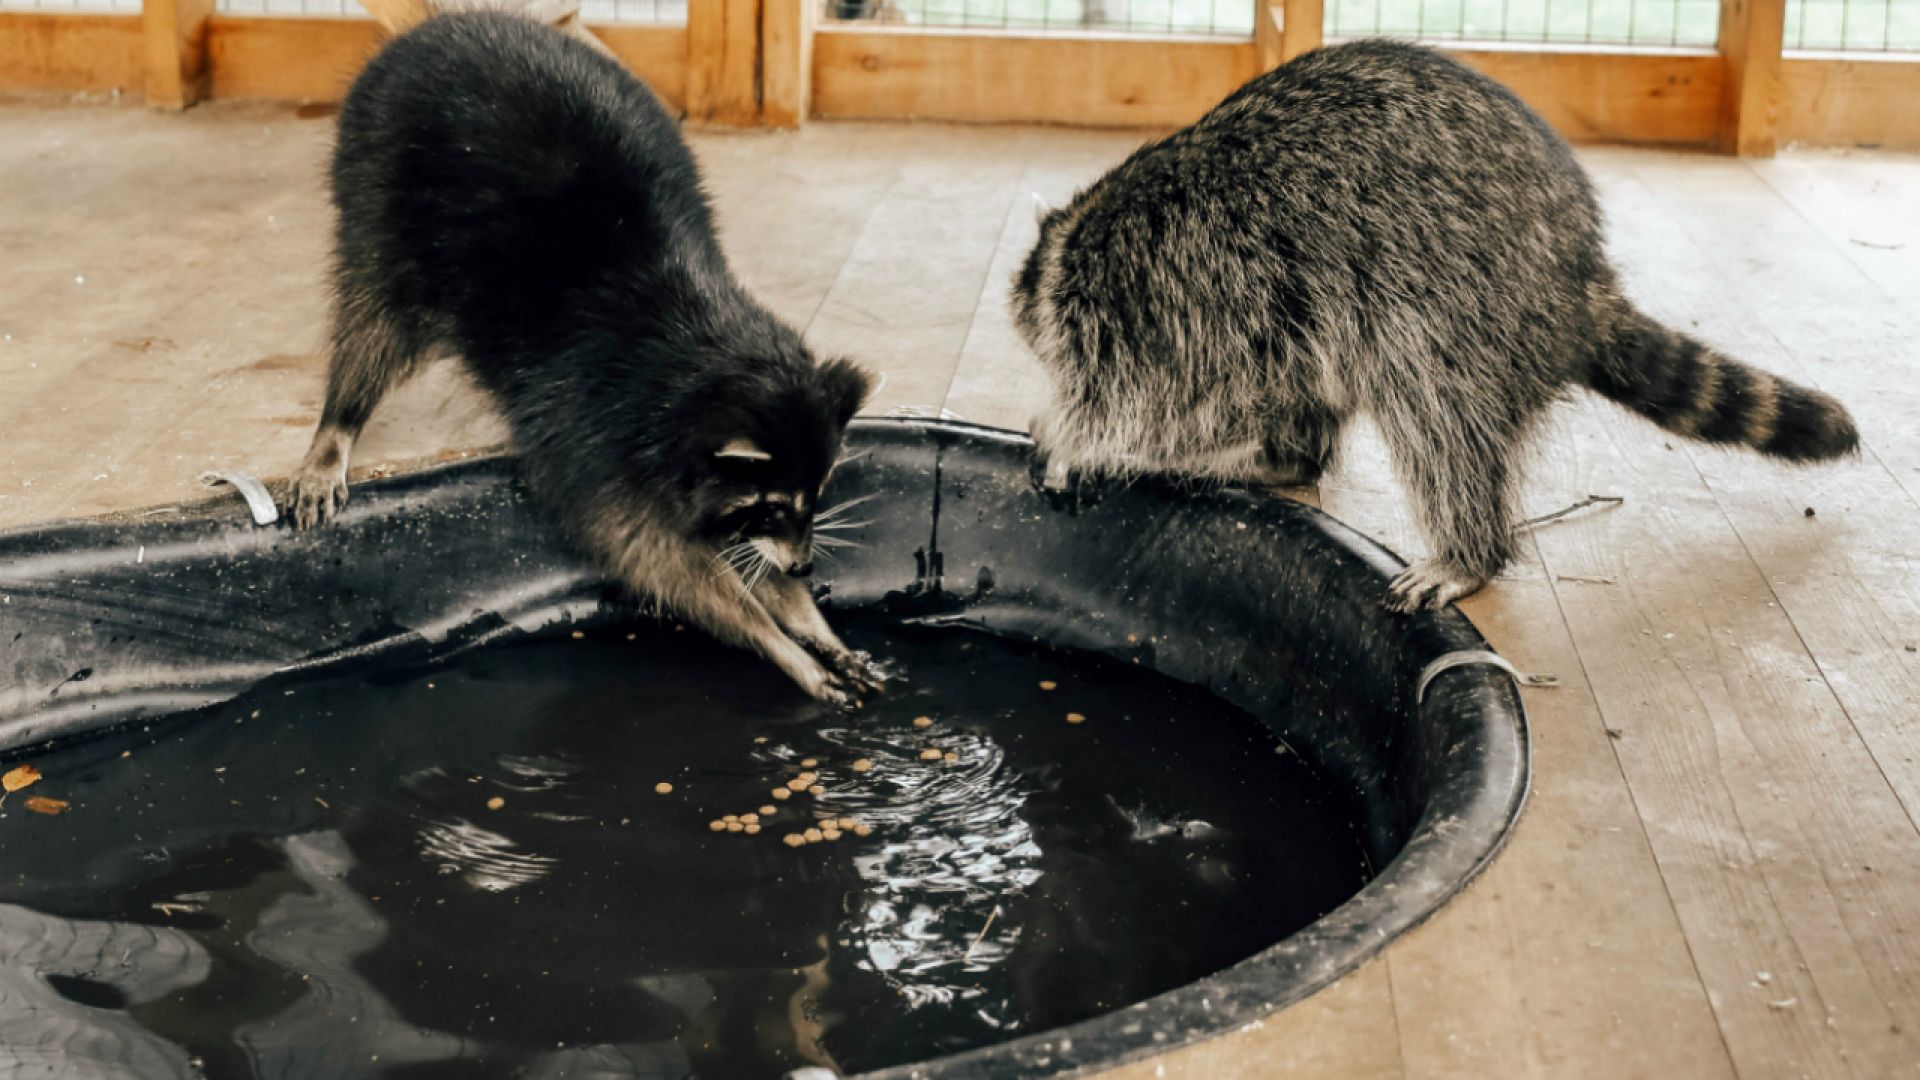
{"x": 1689, "y": 389}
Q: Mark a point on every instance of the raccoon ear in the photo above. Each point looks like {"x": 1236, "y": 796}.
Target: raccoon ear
{"x": 1041, "y": 208}
{"x": 742, "y": 449}
{"x": 846, "y": 387}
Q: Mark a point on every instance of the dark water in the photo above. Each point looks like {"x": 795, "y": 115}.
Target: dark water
{"x": 309, "y": 882}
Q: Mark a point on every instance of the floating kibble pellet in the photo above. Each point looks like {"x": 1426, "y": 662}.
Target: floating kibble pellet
{"x": 793, "y": 839}
{"x": 766, "y": 811}
{"x": 781, "y": 793}
{"x": 923, "y": 721}
{"x": 813, "y": 836}
{"x": 863, "y": 765}
{"x": 808, "y": 763}
{"x": 751, "y": 829}
{"x": 749, "y": 818}
{"x": 798, "y": 787}
{"x": 496, "y": 803}
{"x": 717, "y": 825}
{"x": 829, "y": 834}
{"x": 808, "y": 777}
{"x": 863, "y": 829}
{"x": 759, "y": 740}
{"x": 730, "y": 818}
{"x": 845, "y": 823}
{"x": 663, "y": 788}
{"x": 734, "y": 826}
{"x": 950, "y": 756}
{"x": 1049, "y": 684}
{"x": 1075, "y": 718}
{"x": 929, "y": 754}
{"x": 578, "y": 634}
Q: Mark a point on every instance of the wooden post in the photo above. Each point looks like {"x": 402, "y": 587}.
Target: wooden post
{"x": 786, "y": 61}
{"x": 1269, "y": 34}
{"x": 1751, "y": 33}
{"x": 1303, "y": 28}
{"x": 175, "y": 51}
{"x": 723, "y": 62}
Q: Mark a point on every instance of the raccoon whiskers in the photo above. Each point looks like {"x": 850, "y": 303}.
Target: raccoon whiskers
{"x": 831, "y": 515}
{"x": 840, "y": 526}
{"x": 823, "y": 542}
{"x": 744, "y": 564}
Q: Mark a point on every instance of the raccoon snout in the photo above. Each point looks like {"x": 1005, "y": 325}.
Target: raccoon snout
{"x": 800, "y": 569}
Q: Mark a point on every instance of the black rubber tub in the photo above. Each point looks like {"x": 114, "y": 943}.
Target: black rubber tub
{"x": 1263, "y": 601}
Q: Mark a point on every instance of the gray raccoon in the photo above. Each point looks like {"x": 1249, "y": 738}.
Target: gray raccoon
{"x": 1369, "y": 228}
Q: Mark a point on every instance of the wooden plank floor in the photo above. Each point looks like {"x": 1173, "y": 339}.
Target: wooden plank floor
{"x": 1719, "y": 873}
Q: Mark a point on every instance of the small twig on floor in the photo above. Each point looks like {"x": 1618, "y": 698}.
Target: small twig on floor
{"x": 1591, "y": 500}
{"x": 1587, "y": 580}
{"x": 982, "y": 935}
{"x": 1874, "y": 244}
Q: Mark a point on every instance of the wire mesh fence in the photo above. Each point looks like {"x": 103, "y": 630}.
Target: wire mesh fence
{"x": 1210, "y": 18}
{"x": 1854, "y": 25}
{"x": 662, "y": 12}
{"x": 115, "y": 7}
{"x": 1672, "y": 23}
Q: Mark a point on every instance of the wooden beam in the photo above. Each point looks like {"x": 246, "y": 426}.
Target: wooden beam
{"x": 1669, "y": 97}
{"x": 786, "y": 61}
{"x": 1751, "y": 33}
{"x": 1854, "y": 100}
{"x": 995, "y": 78}
{"x": 175, "y": 33}
{"x": 1302, "y": 28}
{"x": 280, "y": 59}
{"x": 723, "y": 62}
{"x": 71, "y": 52}
{"x": 1269, "y": 34}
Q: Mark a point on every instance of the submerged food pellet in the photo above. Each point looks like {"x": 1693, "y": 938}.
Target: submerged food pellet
{"x": 846, "y": 823}
{"x": 751, "y": 828}
{"x": 1075, "y": 718}
{"x": 929, "y": 754}
{"x": 808, "y": 778}
{"x": 1049, "y": 684}
{"x": 578, "y": 634}
{"x": 830, "y": 834}
{"x": 793, "y": 839}
{"x": 759, "y": 740}
{"x": 781, "y": 793}
{"x": 808, "y": 763}
{"x": 863, "y": 765}
{"x": 766, "y": 810}
{"x": 730, "y": 818}
{"x": 863, "y": 829}
{"x": 734, "y": 826}
{"x": 950, "y": 756}
{"x": 749, "y": 818}
{"x": 813, "y": 836}
{"x": 923, "y": 721}
{"x": 663, "y": 788}
{"x": 717, "y": 825}
{"x": 496, "y": 803}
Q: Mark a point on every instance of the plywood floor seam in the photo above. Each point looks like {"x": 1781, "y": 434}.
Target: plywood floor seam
{"x": 1718, "y": 873}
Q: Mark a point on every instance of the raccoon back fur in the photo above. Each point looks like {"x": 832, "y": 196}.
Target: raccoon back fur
{"x": 508, "y": 194}
{"x": 1370, "y": 228}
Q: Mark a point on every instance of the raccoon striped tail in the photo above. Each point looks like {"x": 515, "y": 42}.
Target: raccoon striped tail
{"x": 1691, "y": 390}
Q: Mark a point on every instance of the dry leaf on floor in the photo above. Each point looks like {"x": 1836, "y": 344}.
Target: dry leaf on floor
{"x": 23, "y": 776}
{"x": 40, "y": 804}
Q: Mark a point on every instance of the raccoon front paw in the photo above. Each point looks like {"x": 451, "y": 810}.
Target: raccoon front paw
{"x": 1430, "y": 584}
{"x": 829, "y": 687}
{"x": 316, "y": 496}
{"x": 859, "y": 670}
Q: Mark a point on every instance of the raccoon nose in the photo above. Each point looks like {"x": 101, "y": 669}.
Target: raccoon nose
{"x": 801, "y": 569}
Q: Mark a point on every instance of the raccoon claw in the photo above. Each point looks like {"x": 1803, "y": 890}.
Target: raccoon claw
{"x": 1430, "y": 584}
{"x": 859, "y": 671}
{"x": 315, "y": 498}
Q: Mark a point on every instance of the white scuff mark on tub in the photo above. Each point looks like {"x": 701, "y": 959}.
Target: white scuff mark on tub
{"x": 258, "y": 501}
{"x": 141, "y": 556}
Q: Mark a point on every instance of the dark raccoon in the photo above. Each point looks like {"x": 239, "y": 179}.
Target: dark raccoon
{"x": 509, "y": 195}
{"x": 1369, "y": 228}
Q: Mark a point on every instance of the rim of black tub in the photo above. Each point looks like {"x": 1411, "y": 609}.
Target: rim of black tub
{"x": 1259, "y": 599}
